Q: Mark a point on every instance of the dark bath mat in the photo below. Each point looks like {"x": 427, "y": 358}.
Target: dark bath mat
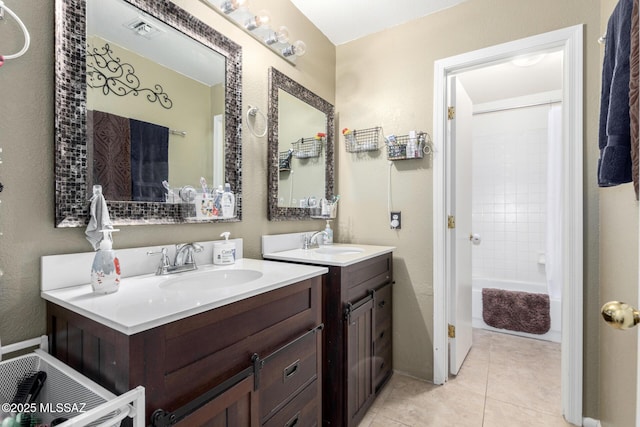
{"x": 516, "y": 310}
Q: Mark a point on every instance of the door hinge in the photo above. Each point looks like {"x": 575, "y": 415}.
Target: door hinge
{"x": 451, "y": 113}
{"x": 452, "y": 331}
{"x": 451, "y": 221}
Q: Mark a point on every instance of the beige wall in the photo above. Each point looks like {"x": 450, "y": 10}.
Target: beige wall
{"x": 619, "y": 282}
{"x": 26, "y": 137}
{"x": 386, "y": 80}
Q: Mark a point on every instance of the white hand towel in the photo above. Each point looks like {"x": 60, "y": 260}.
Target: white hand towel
{"x": 99, "y": 218}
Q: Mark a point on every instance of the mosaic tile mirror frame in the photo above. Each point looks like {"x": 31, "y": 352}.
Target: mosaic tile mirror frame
{"x": 71, "y": 169}
{"x": 279, "y": 81}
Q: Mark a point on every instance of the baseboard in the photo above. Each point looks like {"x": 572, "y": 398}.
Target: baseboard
{"x": 590, "y": 422}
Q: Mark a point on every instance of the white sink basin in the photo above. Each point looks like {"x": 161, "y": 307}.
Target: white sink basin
{"x": 211, "y": 280}
{"x": 339, "y": 250}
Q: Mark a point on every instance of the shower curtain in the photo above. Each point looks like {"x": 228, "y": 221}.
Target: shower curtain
{"x": 553, "y": 257}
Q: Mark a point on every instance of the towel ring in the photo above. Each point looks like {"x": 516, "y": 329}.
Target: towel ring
{"x": 252, "y": 112}
{"x": 27, "y": 38}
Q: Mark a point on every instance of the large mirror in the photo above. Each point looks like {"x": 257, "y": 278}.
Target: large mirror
{"x": 301, "y": 147}
{"x": 148, "y": 101}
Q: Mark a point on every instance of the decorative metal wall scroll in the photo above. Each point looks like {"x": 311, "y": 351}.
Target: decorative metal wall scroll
{"x": 113, "y": 76}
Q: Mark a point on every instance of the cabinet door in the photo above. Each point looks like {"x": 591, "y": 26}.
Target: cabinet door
{"x": 235, "y": 407}
{"x": 360, "y": 359}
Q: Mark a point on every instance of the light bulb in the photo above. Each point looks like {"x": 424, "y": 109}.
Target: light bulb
{"x": 229, "y": 6}
{"x": 298, "y": 48}
{"x": 261, "y": 19}
{"x": 280, "y": 36}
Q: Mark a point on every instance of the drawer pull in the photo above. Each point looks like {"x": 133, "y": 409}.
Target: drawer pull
{"x": 382, "y": 366}
{"x": 290, "y": 371}
{"x": 293, "y": 421}
{"x": 381, "y": 334}
{"x": 381, "y": 304}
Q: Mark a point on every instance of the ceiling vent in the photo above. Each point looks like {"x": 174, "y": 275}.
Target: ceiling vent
{"x": 144, "y": 28}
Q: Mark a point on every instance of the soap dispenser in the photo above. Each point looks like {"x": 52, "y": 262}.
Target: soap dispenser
{"x": 328, "y": 238}
{"x": 105, "y": 270}
{"x": 224, "y": 252}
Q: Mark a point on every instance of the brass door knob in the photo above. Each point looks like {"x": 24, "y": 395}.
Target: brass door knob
{"x": 620, "y": 315}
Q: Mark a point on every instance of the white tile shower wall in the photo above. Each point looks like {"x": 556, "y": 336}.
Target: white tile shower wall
{"x": 509, "y": 193}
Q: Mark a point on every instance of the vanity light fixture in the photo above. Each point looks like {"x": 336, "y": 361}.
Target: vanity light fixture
{"x": 280, "y": 36}
{"x": 299, "y": 48}
{"x": 229, "y": 6}
{"x": 258, "y": 25}
{"x": 261, "y": 19}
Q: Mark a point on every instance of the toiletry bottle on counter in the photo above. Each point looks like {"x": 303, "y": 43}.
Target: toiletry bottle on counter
{"x": 105, "y": 270}
{"x": 228, "y": 202}
{"x": 328, "y": 238}
{"x": 224, "y": 252}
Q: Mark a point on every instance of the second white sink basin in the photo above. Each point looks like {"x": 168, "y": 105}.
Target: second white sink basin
{"x": 211, "y": 280}
{"x": 339, "y": 250}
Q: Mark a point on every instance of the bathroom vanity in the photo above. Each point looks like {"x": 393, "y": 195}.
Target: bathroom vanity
{"x": 244, "y": 354}
{"x": 357, "y": 314}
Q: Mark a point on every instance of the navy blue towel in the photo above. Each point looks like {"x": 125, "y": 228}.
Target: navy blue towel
{"x": 614, "y": 165}
{"x": 149, "y": 161}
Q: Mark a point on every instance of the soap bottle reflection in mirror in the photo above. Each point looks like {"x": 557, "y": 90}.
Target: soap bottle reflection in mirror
{"x": 228, "y": 202}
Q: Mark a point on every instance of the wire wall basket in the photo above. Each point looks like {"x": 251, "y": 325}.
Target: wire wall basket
{"x": 405, "y": 147}
{"x": 305, "y": 148}
{"x": 359, "y": 140}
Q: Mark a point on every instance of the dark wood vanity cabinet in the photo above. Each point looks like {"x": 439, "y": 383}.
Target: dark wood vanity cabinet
{"x": 358, "y": 358}
{"x": 274, "y": 338}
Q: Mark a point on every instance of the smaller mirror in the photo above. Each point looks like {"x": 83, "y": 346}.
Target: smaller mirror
{"x": 301, "y": 134}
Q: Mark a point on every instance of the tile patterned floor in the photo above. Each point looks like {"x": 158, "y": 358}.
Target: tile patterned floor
{"x": 505, "y": 381}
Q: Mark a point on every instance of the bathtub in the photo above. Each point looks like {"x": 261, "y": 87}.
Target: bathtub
{"x": 554, "y": 333}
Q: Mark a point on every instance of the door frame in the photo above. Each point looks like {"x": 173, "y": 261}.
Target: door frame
{"x": 570, "y": 39}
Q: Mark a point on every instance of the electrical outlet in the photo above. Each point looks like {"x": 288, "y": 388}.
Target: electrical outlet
{"x": 396, "y": 220}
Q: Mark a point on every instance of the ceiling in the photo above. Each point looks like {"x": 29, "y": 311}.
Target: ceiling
{"x": 359, "y": 18}
{"x": 343, "y": 21}
{"x": 522, "y": 76}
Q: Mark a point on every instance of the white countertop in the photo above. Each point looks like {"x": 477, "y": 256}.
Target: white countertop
{"x": 312, "y": 256}
{"x": 141, "y": 303}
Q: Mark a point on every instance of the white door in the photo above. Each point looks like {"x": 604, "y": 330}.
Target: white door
{"x": 459, "y": 236}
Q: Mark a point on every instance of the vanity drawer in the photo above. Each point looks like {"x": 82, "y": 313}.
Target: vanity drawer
{"x": 382, "y": 304}
{"x": 287, "y": 371}
{"x": 303, "y": 411}
{"x": 364, "y": 276}
{"x": 382, "y": 364}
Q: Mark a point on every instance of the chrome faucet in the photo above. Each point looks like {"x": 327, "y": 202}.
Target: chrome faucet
{"x": 311, "y": 242}
{"x": 184, "y": 254}
{"x": 184, "y": 260}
